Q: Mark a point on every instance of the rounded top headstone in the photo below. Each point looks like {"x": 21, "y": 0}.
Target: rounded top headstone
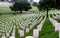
{"x": 29, "y": 37}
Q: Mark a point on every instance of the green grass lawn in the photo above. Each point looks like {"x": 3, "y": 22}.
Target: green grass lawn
{"x": 17, "y": 34}
{"x": 48, "y": 31}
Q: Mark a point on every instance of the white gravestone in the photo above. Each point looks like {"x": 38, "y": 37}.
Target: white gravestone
{"x": 57, "y": 27}
{"x": 36, "y": 33}
{"x": 27, "y": 30}
{"x": 12, "y": 37}
{"x": 29, "y": 37}
{"x": 21, "y": 32}
{"x": 7, "y": 34}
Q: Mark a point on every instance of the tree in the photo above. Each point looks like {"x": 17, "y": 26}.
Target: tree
{"x": 57, "y": 4}
{"x": 20, "y": 6}
{"x": 46, "y": 5}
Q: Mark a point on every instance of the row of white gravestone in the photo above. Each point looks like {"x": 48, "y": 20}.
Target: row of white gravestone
{"x": 21, "y": 20}
{"x": 39, "y": 27}
{"x": 35, "y": 22}
{"x": 8, "y": 35}
{"x": 13, "y": 34}
{"x": 54, "y": 16}
{"x": 53, "y": 11}
{"x": 5, "y": 29}
{"x": 17, "y": 16}
{"x": 35, "y": 31}
{"x": 26, "y": 22}
{"x": 32, "y": 25}
{"x": 55, "y": 24}
{"x": 57, "y": 16}
{"x": 27, "y": 16}
{"x": 21, "y": 32}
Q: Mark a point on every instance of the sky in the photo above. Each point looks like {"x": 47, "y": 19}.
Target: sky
{"x": 35, "y": 0}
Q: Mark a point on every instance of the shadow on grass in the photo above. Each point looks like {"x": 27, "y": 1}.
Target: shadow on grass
{"x": 48, "y": 31}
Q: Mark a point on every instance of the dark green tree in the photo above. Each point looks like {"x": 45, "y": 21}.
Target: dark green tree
{"x": 46, "y": 5}
{"x": 57, "y": 4}
{"x": 20, "y": 6}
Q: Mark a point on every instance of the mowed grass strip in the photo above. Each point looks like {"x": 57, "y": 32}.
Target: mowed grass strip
{"x": 17, "y": 34}
{"x": 48, "y": 31}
